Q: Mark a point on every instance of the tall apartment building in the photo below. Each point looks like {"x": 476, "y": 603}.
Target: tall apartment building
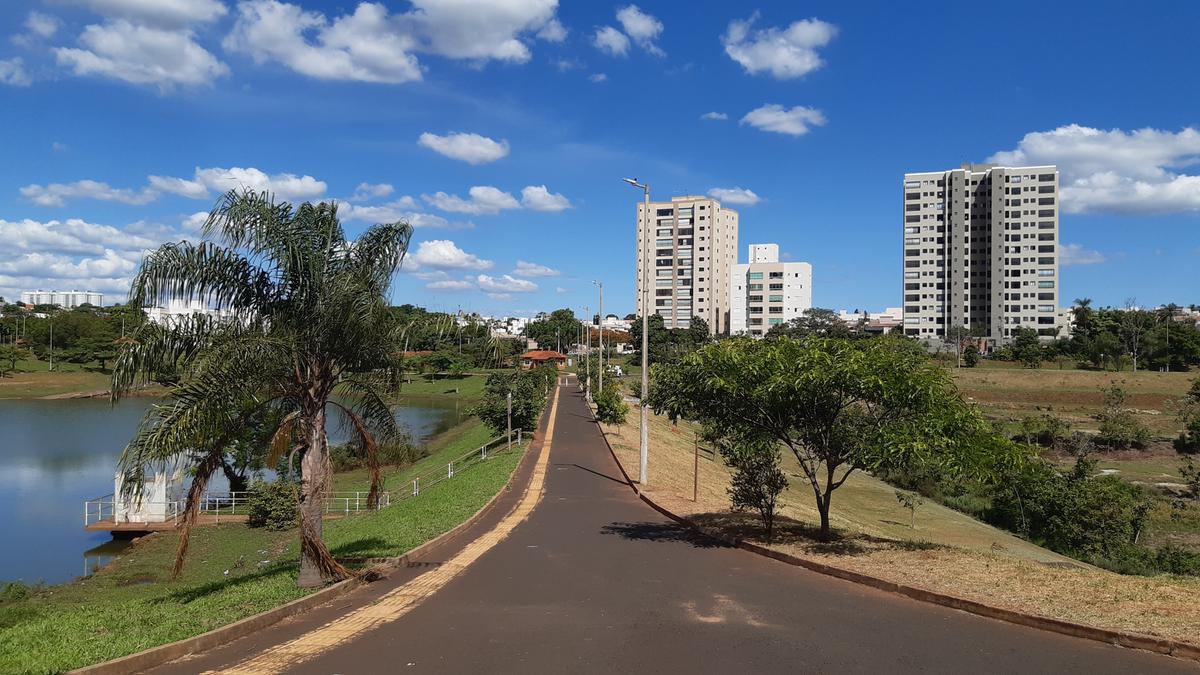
{"x": 981, "y": 251}
{"x": 765, "y": 292}
{"x": 690, "y": 246}
{"x": 64, "y": 299}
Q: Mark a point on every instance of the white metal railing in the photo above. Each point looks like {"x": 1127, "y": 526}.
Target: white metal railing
{"x": 219, "y": 504}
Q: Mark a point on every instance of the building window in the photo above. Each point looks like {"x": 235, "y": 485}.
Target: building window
{"x": 775, "y": 298}
{"x": 756, "y": 276}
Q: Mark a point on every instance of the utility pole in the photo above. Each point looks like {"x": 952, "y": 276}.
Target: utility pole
{"x": 644, "y": 449}
{"x": 509, "y": 398}
{"x": 600, "y": 380}
{"x": 52, "y": 342}
{"x": 588, "y": 357}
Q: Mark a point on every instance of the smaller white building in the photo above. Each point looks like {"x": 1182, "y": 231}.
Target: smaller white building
{"x": 765, "y": 292}
{"x": 177, "y": 309}
{"x": 614, "y": 322}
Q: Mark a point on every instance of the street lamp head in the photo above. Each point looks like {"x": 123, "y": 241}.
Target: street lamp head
{"x": 631, "y": 181}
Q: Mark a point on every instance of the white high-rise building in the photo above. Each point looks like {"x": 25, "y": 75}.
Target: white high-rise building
{"x": 64, "y": 299}
{"x": 981, "y": 252}
{"x": 765, "y": 292}
{"x": 690, "y": 248}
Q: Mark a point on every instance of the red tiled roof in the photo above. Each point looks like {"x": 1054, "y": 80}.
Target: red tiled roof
{"x": 543, "y": 355}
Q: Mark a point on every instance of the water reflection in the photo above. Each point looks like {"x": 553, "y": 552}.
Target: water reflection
{"x": 56, "y": 454}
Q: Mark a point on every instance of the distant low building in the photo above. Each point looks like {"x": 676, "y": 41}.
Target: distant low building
{"x": 536, "y": 358}
{"x": 64, "y": 299}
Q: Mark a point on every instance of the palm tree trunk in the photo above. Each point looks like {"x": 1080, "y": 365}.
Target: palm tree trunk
{"x": 317, "y": 566}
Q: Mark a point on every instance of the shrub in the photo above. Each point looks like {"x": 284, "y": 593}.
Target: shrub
{"x": 971, "y": 356}
{"x": 610, "y": 409}
{"x": 1045, "y": 430}
{"x": 757, "y": 480}
{"x": 1074, "y": 512}
{"x": 1188, "y": 442}
{"x": 273, "y": 505}
{"x": 1118, "y": 427}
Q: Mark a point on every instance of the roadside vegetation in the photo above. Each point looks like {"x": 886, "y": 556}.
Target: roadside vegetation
{"x": 234, "y": 571}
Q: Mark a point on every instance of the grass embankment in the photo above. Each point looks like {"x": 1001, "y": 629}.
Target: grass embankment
{"x": 1073, "y": 396}
{"x": 947, "y": 552}
{"x": 232, "y": 572}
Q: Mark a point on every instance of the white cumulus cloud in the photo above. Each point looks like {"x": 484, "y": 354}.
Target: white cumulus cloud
{"x": 1116, "y": 171}
{"x": 166, "y": 13}
{"x": 42, "y": 25}
{"x": 528, "y": 269}
{"x": 1076, "y": 254}
{"x": 714, "y": 116}
{"x": 643, "y": 28}
{"x": 538, "y": 198}
{"x": 366, "y": 191}
{"x": 443, "y": 254}
{"x": 366, "y": 46}
{"x": 795, "y": 121}
{"x": 141, "y": 54}
{"x": 74, "y": 254}
{"x": 785, "y": 53}
{"x": 505, "y": 284}
{"x": 56, "y": 194}
{"x": 451, "y": 285}
{"x": 482, "y": 199}
{"x": 611, "y": 41}
{"x": 12, "y": 72}
{"x": 735, "y": 195}
{"x": 469, "y": 148}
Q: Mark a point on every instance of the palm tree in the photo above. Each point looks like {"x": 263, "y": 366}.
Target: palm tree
{"x": 307, "y": 329}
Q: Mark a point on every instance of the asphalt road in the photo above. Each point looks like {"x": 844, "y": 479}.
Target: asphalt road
{"x": 594, "y": 581}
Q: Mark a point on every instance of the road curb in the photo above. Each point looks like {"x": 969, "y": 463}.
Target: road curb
{"x": 157, "y": 656}
{"x": 1118, "y": 638}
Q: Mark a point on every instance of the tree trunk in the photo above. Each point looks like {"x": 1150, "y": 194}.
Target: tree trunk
{"x": 823, "y": 508}
{"x": 317, "y": 566}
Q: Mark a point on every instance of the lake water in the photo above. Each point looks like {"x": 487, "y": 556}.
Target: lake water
{"x": 56, "y": 454}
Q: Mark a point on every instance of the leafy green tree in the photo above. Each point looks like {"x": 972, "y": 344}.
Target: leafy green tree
{"x": 313, "y": 332}
{"x": 1027, "y": 348}
{"x": 910, "y": 501}
{"x": 559, "y": 328}
{"x": 1135, "y": 326}
{"x": 815, "y": 321}
{"x": 9, "y": 355}
{"x": 529, "y": 389}
{"x": 838, "y": 406}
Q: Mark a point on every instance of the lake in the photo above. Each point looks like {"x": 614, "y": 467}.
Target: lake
{"x": 56, "y": 454}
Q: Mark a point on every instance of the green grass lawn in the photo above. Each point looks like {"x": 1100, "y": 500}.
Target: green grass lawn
{"x": 34, "y": 379}
{"x": 232, "y": 572}
{"x": 467, "y": 387}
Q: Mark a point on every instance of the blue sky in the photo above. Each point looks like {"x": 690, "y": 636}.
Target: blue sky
{"x": 822, "y": 108}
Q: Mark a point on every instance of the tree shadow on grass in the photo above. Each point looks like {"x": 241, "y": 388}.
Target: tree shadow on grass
{"x": 186, "y": 595}
{"x": 358, "y": 547}
{"x": 662, "y": 532}
{"x": 741, "y": 526}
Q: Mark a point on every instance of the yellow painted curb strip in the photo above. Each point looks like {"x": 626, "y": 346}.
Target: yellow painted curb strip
{"x": 402, "y": 600}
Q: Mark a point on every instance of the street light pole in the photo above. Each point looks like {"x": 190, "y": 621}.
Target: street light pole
{"x": 587, "y": 355}
{"x": 644, "y": 448}
{"x": 600, "y": 375}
